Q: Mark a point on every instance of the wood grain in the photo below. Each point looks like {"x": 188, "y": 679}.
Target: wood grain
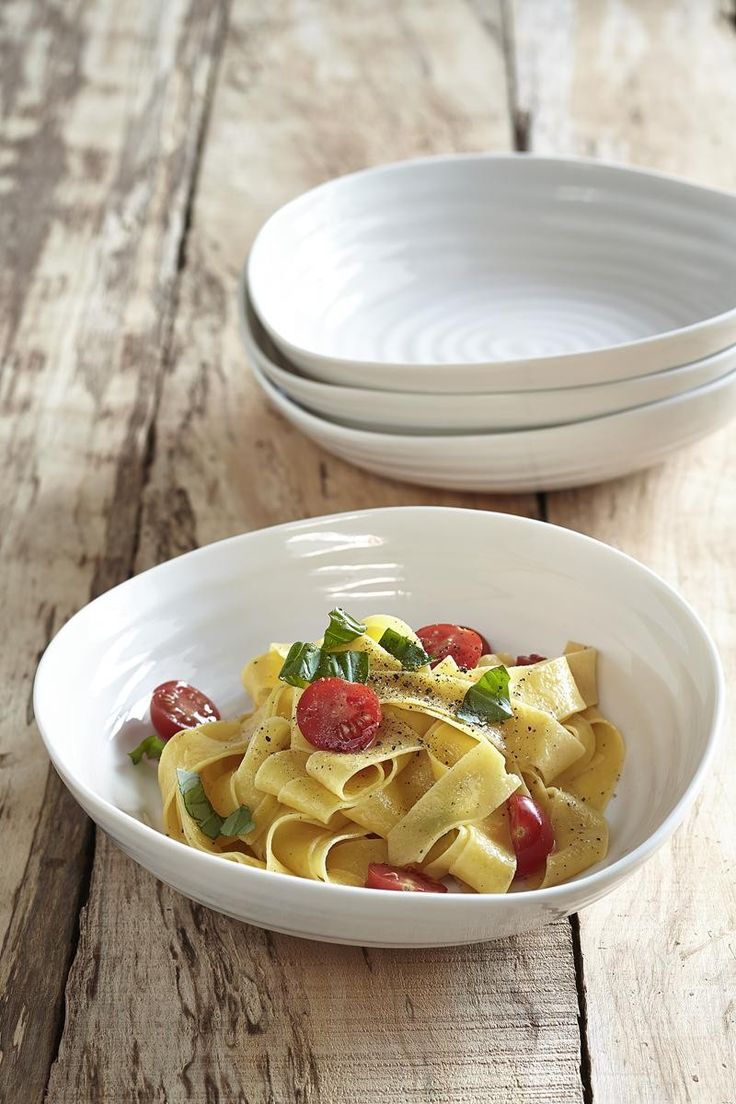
{"x": 209, "y": 1009}
{"x": 654, "y": 83}
{"x": 101, "y": 108}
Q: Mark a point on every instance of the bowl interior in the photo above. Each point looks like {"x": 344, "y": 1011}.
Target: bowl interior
{"x": 526, "y": 585}
{"x": 492, "y": 258}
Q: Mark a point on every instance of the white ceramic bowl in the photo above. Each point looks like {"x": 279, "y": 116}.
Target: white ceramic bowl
{"x": 545, "y": 459}
{"x": 410, "y": 412}
{"x": 528, "y": 585}
{"x": 457, "y": 273}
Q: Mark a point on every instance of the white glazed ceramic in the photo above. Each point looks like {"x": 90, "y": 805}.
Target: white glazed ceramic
{"x": 459, "y": 273}
{"x": 545, "y": 459}
{"x": 410, "y": 412}
{"x": 526, "y": 584}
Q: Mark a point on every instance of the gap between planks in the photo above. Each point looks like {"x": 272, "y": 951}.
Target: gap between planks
{"x": 586, "y": 1071}
{"x": 520, "y": 119}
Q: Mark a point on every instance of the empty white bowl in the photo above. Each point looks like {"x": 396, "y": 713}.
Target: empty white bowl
{"x": 410, "y": 412}
{"x": 545, "y": 459}
{"x": 456, "y": 274}
{"x": 526, "y": 584}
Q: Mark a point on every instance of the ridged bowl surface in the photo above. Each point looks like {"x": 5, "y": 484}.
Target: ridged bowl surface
{"x": 449, "y": 273}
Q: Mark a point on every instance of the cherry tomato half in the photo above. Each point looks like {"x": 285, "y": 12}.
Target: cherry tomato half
{"x": 532, "y": 836}
{"x": 527, "y": 660}
{"x": 335, "y": 715}
{"x": 464, "y": 645}
{"x": 485, "y": 643}
{"x": 381, "y": 876}
{"x": 176, "y": 705}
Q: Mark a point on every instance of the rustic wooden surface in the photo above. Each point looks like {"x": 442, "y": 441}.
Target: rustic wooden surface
{"x": 142, "y": 146}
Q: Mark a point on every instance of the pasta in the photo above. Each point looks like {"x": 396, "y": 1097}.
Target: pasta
{"x": 379, "y": 756}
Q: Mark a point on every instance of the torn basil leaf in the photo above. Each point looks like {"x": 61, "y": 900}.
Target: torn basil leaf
{"x": 306, "y": 662}
{"x": 239, "y": 823}
{"x": 199, "y": 807}
{"x": 341, "y": 630}
{"x": 151, "y": 747}
{"x": 197, "y": 804}
{"x": 487, "y": 700}
{"x": 300, "y": 665}
{"x": 410, "y": 655}
{"x": 351, "y": 666}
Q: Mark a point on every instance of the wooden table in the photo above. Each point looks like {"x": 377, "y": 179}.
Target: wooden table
{"x": 144, "y": 144}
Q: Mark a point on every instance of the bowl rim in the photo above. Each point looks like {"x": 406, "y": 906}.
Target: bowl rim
{"x": 550, "y": 360}
{"x": 350, "y": 435}
{"x": 598, "y": 879}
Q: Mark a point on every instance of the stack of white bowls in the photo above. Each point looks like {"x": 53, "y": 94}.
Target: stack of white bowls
{"x": 497, "y": 323}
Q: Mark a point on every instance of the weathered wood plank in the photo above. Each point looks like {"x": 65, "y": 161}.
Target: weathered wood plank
{"x": 101, "y": 107}
{"x": 653, "y": 83}
{"x": 649, "y": 83}
{"x": 221, "y": 1011}
{"x": 170, "y": 1002}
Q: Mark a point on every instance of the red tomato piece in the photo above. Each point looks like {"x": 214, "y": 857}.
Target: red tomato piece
{"x": 532, "y": 835}
{"x": 464, "y": 645}
{"x": 527, "y": 660}
{"x": 176, "y": 705}
{"x": 381, "y": 876}
{"x": 335, "y": 715}
{"x": 485, "y": 643}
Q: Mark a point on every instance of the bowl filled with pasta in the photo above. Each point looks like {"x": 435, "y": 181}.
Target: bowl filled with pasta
{"x": 400, "y": 727}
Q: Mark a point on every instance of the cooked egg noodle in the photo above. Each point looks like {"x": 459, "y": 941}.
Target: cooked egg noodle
{"x": 430, "y": 792}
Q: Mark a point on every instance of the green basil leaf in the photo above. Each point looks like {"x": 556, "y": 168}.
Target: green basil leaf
{"x": 411, "y": 656}
{"x": 199, "y": 807}
{"x": 300, "y": 665}
{"x": 239, "y": 823}
{"x": 151, "y": 747}
{"x": 197, "y": 804}
{"x": 351, "y": 666}
{"x": 341, "y": 630}
{"x": 307, "y": 662}
{"x": 487, "y": 700}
